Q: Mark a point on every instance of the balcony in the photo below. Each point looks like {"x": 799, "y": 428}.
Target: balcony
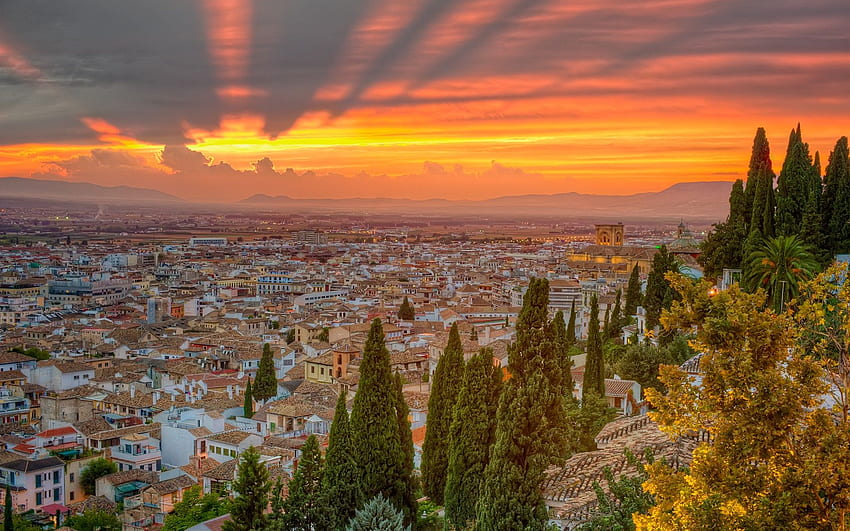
{"x": 137, "y": 455}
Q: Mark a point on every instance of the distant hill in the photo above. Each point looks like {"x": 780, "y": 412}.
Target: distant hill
{"x": 705, "y": 201}
{"x": 79, "y": 192}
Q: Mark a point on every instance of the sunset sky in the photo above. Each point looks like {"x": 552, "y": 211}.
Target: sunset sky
{"x": 216, "y": 100}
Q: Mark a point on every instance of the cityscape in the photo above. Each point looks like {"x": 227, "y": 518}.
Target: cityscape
{"x": 467, "y": 265}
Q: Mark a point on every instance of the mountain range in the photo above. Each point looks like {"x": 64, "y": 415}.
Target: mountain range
{"x": 697, "y": 201}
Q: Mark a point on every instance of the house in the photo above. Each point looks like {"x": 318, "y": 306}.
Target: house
{"x": 228, "y": 445}
{"x": 14, "y": 361}
{"x": 320, "y": 368}
{"x": 120, "y": 485}
{"x": 35, "y": 483}
{"x": 13, "y": 409}
{"x": 58, "y": 375}
{"x": 137, "y": 451}
{"x": 294, "y": 417}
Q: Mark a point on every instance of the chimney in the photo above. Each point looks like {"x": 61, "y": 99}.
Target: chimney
{"x": 230, "y": 392}
{"x": 132, "y": 391}
{"x": 156, "y": 396}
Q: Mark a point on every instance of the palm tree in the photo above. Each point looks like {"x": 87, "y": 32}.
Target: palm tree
{"x": 778, "y": 265}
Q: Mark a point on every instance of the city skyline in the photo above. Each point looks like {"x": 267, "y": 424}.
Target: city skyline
{"x": 456, "y": 100}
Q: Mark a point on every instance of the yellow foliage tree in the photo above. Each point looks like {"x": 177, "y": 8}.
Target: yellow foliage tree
{"x": 779, "y": 450}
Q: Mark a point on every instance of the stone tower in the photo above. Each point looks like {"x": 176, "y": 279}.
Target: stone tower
{"x": 610, "y": 234}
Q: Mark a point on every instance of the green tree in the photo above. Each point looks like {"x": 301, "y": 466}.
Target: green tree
{"x": 778, "y": 265}
{"x": 195, "y": 508}
{"x": 341, "y": 481}
{"x": 625, "y": 497}
{"x": 594, "y": 368}
{"x": 760, "y": 167}
{"x": 764, "y": 205}
{"x": 406, "y": 311}
{"x": 97, "y": 520}
{"x": 407, "y": 484}
{"x": 617, "y": 320}
{"x": 247, "y": 510}
{"x": 303, "y": 509}
{"x": 778, "y": 453}
{"x": 571, "y": 326}
{"x": 96, "y": 469}
{"x": 793, "y": 186}
{"x": 722, "y": 248}
{"x": 8, "y": 521}
{"x": 265, "y": 383}
{"x": 472, "y": 435}
{"x": 290, "y": 336}
{"x": 640, "y": 361}
{"x": 564, "y": 347}
{"x": 378, "y": 514}
{"x": 659, "y": 294}
{"x": 375, "y": 426}
{"x": 33, "y": 352}
{"x": 836, "y": 198}
{"x": 444, "y": 391}
{"x": 248, "y": 405}
{"x": 633, "y": 293}
{"x": 531, "y": 423}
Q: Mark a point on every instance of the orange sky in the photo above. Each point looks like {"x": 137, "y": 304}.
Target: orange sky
{"x": 421, "y": 99}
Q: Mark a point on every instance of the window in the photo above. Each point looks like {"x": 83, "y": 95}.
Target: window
{"x": 56, "y": 494}
{"x": 76, "y": 376}
{"x": 37, "y": 480}
{"x": 71, "y": 496}
{"x": 38, "y": 498}
{"x": 71, "y": 477}
{"x": 55, "y": 476}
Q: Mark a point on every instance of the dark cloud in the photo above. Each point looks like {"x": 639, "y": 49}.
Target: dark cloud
{"x": 146, "y": 67}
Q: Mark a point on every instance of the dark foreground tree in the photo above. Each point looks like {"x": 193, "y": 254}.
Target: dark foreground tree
{"x": 473, "y": 432}
{"x": 441, "y": 404}
{"x": 247, "y": 510}
{"x": 341, "y": 480}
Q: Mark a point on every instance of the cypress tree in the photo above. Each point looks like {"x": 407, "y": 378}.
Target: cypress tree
{"x": 615, "y": 325}
{"x": 722, "y": 248}
{"x": 836, "y": 198}
{"x": 563, "y": 348}
{"x": 248, "y": 405}
{"x": 760, "y": 165}
{"x": 811, "y": 229}
{"x": 265, "y": 383}
{"x": 633, "y": 294}
{"x": 8, "y": 521}
{"x": 658, "y": 291}
{"x": 531, "y": 424}
{"x": 303, "y": 508}
{"x": 252, "y": 489}
{"x": 435, "y": 450}
{"x": 406, "y": 311}
{"x": 793, "y": 187}
{"x": 594, "y": 370}
{"x": 606, "y": 325}
{"x": 472, "y": 435}
{"x": 341, "y": 479}
{"x": 406, "y": 484}
{"x": 571, "y": 327}
{"x": 381, "y": 459}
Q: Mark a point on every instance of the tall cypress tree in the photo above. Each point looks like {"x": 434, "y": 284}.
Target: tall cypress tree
{"x": 303, "y": 508}
{"x": 760, "y": 165}
{"x": 616, "y": 323}
{"x": 8, "y": 520}
{"x": 248, "y": 405}
{"x": 793, "y": 186}
{"x": 571, "y": 327}
{"x": 594, "y": 369}
{"x": 659, "y": 294}
{"x": 471, "y": 437}
{"x": 252, "y": 489}
{"x": 531, "y": 424}
{"x": 406, "y": 311}
{"x": 811, "y": 229}
{"x": 341, "y": 479}
{"x": 633, "y": 293}
{"x": 265, "y": 383}
{"x": 836, "y": 198}
{"x": 375, "y": 427}
{"x": 435, "y": 450}
{"x": 563, "y": 347}
{"x": 406, "y": 484}
{"x": 722, "y": 248}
